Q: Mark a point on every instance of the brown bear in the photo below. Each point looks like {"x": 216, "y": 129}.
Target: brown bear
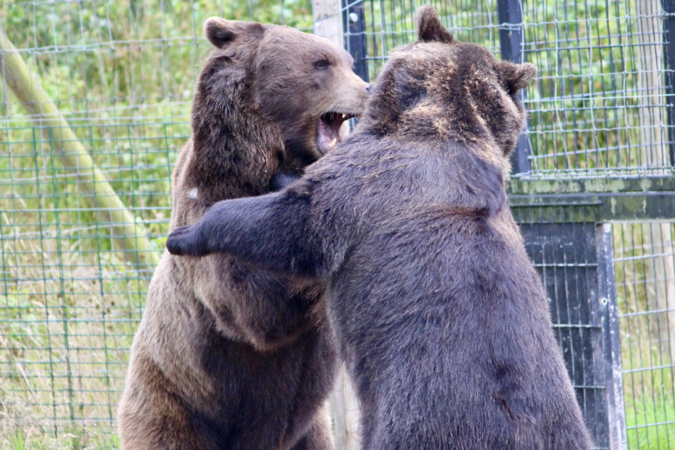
{"x": 228, "y": 356}
{"x": 442, "y": 320}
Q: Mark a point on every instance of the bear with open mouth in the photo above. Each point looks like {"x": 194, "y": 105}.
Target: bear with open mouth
{"x": 228, "y": 356}
{"x": 441, "y": 318}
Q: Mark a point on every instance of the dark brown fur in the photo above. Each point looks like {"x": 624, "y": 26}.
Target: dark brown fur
{"x": 227, "y": 356}
{"x": 442, "y": 320}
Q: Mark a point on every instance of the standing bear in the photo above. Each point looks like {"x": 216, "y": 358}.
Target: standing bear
{"x": 442, "y": 320}
{"x": 229, "y": 356}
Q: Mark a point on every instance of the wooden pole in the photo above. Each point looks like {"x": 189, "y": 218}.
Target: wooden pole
{"x": 652, "y": 111}
{"x": 327, "y": 16}
{"x": 130, "y": 237}
{"x": 657, "y": 237}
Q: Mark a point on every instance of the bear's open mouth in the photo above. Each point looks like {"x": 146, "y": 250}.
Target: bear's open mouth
{"x": 329, "y": 130}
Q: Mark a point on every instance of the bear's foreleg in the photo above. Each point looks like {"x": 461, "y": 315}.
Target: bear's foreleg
{"x": 151, "y": 418}
{"x": 268, "y": 231}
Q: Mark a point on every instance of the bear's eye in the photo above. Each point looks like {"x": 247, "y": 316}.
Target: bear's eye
{"x": 321, "y": 65}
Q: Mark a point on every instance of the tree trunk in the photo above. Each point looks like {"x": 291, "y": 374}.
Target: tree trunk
{"x": 131, "y": 240}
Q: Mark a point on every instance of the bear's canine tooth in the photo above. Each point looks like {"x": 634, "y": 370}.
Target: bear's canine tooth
{"x": 344, "y": 116}
{"x": 333, "y": 143}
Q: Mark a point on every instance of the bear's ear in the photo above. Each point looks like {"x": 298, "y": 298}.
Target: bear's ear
{"x": 429, "y": 27}
{"x": 517, "y": 76}
{"x": 221, "y": 32}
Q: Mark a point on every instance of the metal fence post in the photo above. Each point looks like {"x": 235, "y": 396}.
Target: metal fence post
{"x": 510, "y": 14}
{"x": 561, "y": 238}
{"x": 612, "y": 344}
{"x": 354, "y": 22}
{"x": 669, "y": 70}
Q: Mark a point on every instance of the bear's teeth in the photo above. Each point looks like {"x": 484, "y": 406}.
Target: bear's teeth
{"x": 344, "y": 116}
{"x": 333, "y": 143}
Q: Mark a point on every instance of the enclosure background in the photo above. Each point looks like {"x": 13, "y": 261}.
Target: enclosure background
{"x": 122, "y": 74}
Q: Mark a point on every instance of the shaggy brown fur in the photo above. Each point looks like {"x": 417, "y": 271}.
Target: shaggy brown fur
{"x": 227, "y": 356}
{"x": 442, "y": 320}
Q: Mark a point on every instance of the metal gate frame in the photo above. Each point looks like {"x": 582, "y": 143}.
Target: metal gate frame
{"x": 599, "y": 202}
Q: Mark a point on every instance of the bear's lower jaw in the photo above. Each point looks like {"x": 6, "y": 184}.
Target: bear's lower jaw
{"x": 329, "y": 130}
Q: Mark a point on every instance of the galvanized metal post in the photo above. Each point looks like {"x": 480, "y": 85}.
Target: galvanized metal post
{"x": 669, "y": 59}
{"x": 612, "y": 344}
{"x": 510, "y": 14}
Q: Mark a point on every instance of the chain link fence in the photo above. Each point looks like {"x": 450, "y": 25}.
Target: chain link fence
{"x": 74, "y": 280}
{"x": 643, "y": 259}
{"x": 121, "y": 74}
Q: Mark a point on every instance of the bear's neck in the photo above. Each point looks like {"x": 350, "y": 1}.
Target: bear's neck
{"x": 236, "y": 151}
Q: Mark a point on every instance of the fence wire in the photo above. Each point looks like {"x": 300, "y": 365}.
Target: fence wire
{"x": 599, "y": 106}
{"x": 644, "y": 255}
{"x": 122, "y": 74}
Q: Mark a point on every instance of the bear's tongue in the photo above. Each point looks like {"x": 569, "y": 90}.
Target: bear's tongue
{"x": 329, "y": 131}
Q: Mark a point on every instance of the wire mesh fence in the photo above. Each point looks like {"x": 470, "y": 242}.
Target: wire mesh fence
{"x": 601, "y": 104}
{"x": 122, "y": 75}
{"x": 644, "y": 255}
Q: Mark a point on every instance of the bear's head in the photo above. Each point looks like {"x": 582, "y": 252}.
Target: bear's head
{"x": 441, "y": 111}
{"x": 440, "y": 88}
{"x": 302, "y": 84}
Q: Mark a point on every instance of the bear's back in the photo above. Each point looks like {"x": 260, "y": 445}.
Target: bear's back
{"x": 456, "y": 315}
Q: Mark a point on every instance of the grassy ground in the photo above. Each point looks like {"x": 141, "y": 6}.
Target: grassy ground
{"x": 649, "y": 396}
{"x": 65, "y": 350}
{"x": 70, "y": 441}
{"x": 647, "y": 345}
{"x": 642, "y": 414}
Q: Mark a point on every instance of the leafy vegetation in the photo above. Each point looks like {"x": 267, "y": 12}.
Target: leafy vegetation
{"x": 122, "y": 74}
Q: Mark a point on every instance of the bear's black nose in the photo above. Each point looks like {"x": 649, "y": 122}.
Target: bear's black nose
{"x": 368, "y": 88}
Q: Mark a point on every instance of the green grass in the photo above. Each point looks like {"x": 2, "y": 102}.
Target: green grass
{"x": 74, "y": 440}
{"x": 65, "y": 351}
{"x": 642, "y": 414}
{"x": 649, "y": 392}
